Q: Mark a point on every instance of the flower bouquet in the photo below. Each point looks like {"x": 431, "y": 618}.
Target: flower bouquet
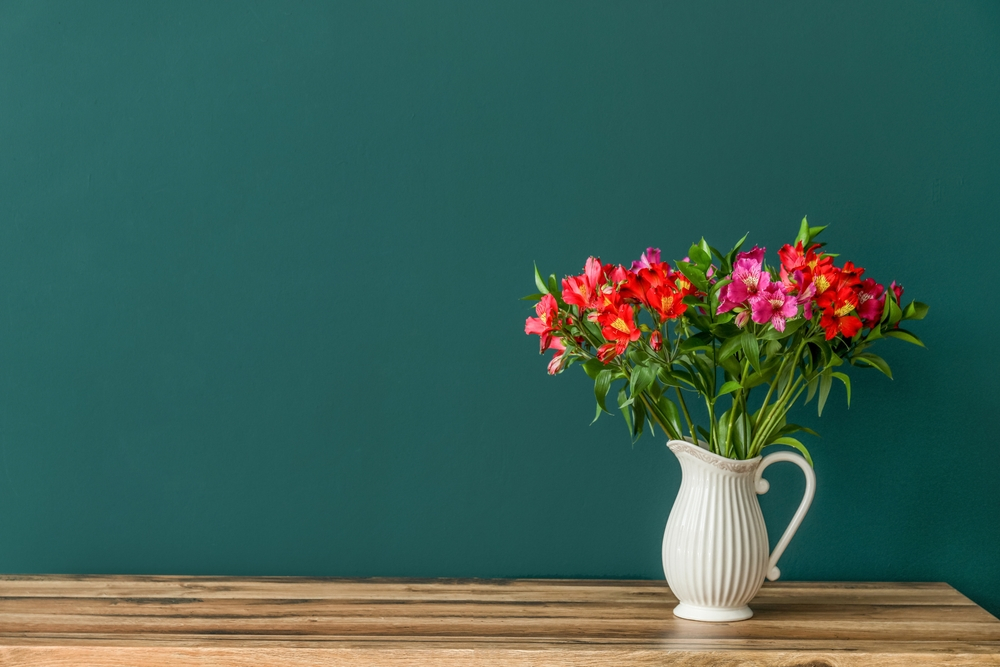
{"x": 714, "y": 327}
{"x": 718, "y": 332}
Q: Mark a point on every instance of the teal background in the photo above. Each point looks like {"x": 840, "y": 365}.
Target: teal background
{"x": 260, "y": 265}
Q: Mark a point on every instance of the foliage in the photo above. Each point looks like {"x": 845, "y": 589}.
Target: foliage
{"x": 656, "y": 334}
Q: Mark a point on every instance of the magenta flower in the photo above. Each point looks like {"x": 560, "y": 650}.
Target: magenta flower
{"x": 748, "y": 278}
{"x": 650, "y": 257}
{"x": 871, "y": 301}
{"x": 771, "y": 304}
{"x": 757, "y": 255}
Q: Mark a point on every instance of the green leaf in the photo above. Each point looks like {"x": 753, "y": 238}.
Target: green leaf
{"x": 701, "y": 258}
{"x": 539, "y": 283}
{"x": 729, "y": 387}
{"x": 669, "y": 411}
{"x": 815, "y": 231}
{"x": 788, "y": 429}
{"x": 751, "y": 349}
{"x": 703, "y": 244}
{"x": 792, "y": 442}
{"x": 642, "y": 377}
{"x": 874, "y": 361}
{"x": 638, "y": 419}
{"x": 720, "y": 284}
{"x": 593, "y": 367}
{"x": 825, "y": 382}
{"x": 532, "y": 297}
{"x": 736, "y": 248}
{"x": 915, "y": 311}
{"x": 553, "y": 284}
{"x": 601, "y": 386}
{"x": 622, "y": 405}
{"x": 699, "y": 341}
{"x": 813, "y": 386}
{"x": 847, "y": 384}
{"x": 730, "y": 347}
{"x": 791, "y": 327}
{"x": 722, "y": 430}
{"x": 803, "y": 234}
{"x": 694, "y": 274}
{"x": 895, "y": 314}
{"x": 903, "y": 334}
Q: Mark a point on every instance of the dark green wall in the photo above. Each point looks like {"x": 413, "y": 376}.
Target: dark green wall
{"x": 260, "y": 265}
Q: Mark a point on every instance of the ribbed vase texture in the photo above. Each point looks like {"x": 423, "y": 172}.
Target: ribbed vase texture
{"x": 715, "y": 550}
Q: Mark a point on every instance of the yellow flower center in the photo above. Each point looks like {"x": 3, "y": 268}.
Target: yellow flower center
{"x": 822, "y": 283}
{"x": 666, "y": 302}
{"x": 620, "y": 325}
{"x": 844, "y": 310}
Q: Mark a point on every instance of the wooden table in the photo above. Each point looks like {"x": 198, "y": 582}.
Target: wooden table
{"x": 280, "y": 621}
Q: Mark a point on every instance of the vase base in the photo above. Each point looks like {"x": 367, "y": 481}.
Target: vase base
{"x": 712, "y": 614}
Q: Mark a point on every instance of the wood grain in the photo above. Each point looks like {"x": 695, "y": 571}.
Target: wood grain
{"x": 282, "y": 622}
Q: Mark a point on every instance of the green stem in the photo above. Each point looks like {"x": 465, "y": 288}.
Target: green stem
{"x": 770, "y": 389}
{"x": 664, "y": 424}
{"x": 780, "y": 408}
{"x": 687, "y": 416}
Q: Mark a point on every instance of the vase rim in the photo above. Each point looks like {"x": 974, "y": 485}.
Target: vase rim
{"x": 725, "y": 463}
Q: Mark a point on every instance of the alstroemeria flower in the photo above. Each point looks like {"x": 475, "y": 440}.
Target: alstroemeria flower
{"x": 648, "y": 259}
{"x": 748, "y": 279}
{"x": 756, "y": 255}
{"x": 559, "y": 358}
{"x": 656, "y": 340}
{"x": 850, "y": 275}
{"x": 837, "y": 307}
{"x": 808, "y": 262}
{"x": 618, "y": 326}
{"x": 871, "y": 301}
{"x": 666, "y": 301}
{"x": 825, "y": 277}
{"x": 581, "y": 291}
{"x": 618, "y": 275}
{"x": 771, "y": 304}
{"x": 546, "y": 323}
{"x": 897, "y": 290}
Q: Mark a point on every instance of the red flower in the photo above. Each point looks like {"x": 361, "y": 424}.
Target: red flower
{"x": 606, "y": 353}
{"x": 559, "y": 358}
{"x": 666, "y": 301}
{"x": 582, "y": 290}
{"x": 618, "y": 326}
{"x": 837, "y": 307}
{"x": 850, "y": 275}
{"x": 809, "y": 262}
{"x": 546, "y": 323}
{"x": 656, "y": 341}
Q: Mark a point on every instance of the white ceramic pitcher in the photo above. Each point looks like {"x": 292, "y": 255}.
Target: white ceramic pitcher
{"x": 715, "y": 550}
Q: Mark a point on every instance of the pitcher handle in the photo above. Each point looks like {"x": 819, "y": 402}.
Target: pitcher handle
{"x": 761, "y": 486}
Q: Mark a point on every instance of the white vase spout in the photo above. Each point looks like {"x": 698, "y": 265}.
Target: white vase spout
{"x": 715, "y": 548}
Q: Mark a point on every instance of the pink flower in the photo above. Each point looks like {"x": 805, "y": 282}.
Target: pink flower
{"x": 648, "y": 259}
{"x": 771, "y": 304}
{"x": 871, "y": 301}
{"x": 897, "y": 290}
{"x": 748, "y": 278}
{"x": 757, "y": 255}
